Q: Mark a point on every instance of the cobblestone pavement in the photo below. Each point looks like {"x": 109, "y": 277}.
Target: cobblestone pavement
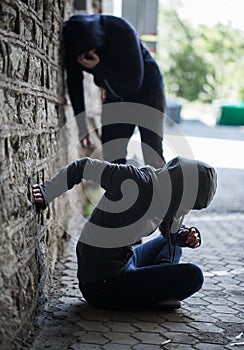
{"x": 209, "y": 320}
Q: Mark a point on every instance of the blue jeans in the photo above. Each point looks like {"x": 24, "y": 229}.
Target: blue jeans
{"x": 149, "y": 278}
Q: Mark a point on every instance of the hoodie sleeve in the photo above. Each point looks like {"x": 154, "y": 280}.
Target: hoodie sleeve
{"x": 73, "y": 174}
{"x": 76, "y": 92}
{"x": 124, "y": 73}
{"x": 108, "y": 176}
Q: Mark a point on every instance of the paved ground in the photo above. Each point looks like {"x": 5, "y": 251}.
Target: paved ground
{"x": 211, "y": 319}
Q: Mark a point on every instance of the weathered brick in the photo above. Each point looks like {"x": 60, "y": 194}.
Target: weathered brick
{"x": 26, "y": 26}
{"x": 38, "y": 33}
{"x": 35, "y": 70}
{"x": 17, "y": 62}
{"x": 10, "y": 102}
{"x": 8, "y": 17}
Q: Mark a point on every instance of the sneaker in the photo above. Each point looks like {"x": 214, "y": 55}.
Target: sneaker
{"x": 169, "y": 304}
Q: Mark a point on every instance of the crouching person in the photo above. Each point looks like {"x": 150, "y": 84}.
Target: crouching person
{"x": 114, "y": 273}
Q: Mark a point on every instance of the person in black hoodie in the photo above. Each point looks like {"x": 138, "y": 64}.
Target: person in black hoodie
{"x": 108, "y": 47}
{"x": 112, "y": 272}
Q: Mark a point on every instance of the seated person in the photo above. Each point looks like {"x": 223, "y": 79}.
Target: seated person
{"x": 113, "y": 273}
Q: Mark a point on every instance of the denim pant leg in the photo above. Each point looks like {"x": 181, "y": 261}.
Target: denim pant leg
{"x": 155, "y": 251}
{"x": 149, "y": 279}
{"x": 145, "y": 286}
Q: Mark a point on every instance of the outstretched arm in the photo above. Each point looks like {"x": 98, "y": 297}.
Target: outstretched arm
{"x": 66, "y": 178}
{"x": 109, "y": 176}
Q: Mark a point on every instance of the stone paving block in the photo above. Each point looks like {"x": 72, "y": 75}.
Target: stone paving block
{"x": 91, "y": 314}
{"x": 118, "y": 326}
{"x": 231, "y": 330}
{"x": 83, "y": 346}
{"x": 197, "y": 308}
{"x": 182, "y": 316}
{"x": 206, "y": 327}
{"x": 123, "y": 316}
{"x": 213, "y": 287}
{"x": 237, "y": 292}
{"x": 197, "y": 301}
{"x": 201, "y": 316}
{"x": 216, "y": 294}
{"x": 239, "y": 308}
{"x": 180, "y": 338}
{"x": 229, "y": 284}
{"x": 51, "y": 345}
{"x": 240, "y": 277}
{"x": 120, "y": 338}
{"x": 151, "y": 316}
{"x": 178, "y": 327}
{"x": 206, "y": 346}
{"x": 228, "y": 318}
{"x": 233, "y": 345}
{"x": 210, "y": 337}
{"x": 147, "y": 347}
{"x": 224, "y": 309}
{"x": 230, "y": 347}
{"x": 174, "y": 346}
{"x": 51, "y": 339}
{"x": 93, "y": 326}
{"x": 90, "y": 337}
{"x": 60, "y": 315}
{"x": 150, "y": 338}
{"x": 116, "y": 346}
{"x": 150, "y": 327}
{"x": 218, "y": 300}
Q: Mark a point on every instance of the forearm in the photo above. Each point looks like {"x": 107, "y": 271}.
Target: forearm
{"x": 76, "y": 93}
{"x": 72, "y": 174}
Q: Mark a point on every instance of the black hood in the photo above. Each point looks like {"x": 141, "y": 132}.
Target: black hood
{"x": 82, "y": 33}
{"x": 192, "y": 185}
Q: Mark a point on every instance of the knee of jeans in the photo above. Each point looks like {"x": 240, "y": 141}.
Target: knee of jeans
{"x": 196, "y": 276}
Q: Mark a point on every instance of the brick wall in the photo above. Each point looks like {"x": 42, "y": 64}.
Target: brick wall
{"x": 31, "y": 95}
{"x": 32, "y": 147}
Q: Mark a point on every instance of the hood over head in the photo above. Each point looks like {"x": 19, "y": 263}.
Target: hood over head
{"x": 82, "y": 33}
{"x": 193, "y": 185}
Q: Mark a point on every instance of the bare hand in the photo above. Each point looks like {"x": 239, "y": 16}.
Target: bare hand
{"x": 37, "y": 195}
{"x": 192, "y": 237}
{"x": 91, "y": 62}
{"x": 86, "y": 142}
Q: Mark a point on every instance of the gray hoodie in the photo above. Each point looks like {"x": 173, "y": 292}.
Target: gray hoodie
{"x": 135, "y": 203}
